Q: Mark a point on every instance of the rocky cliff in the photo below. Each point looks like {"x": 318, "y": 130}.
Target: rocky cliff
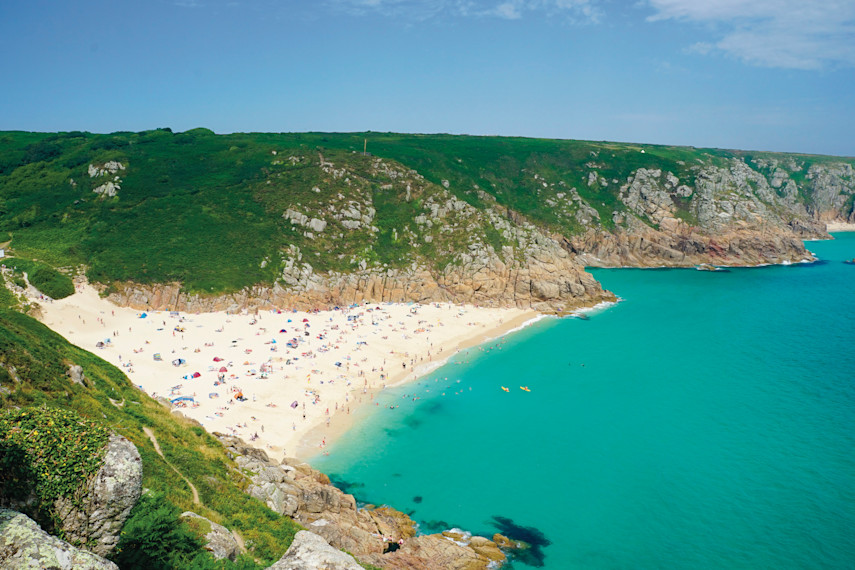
{"x": 734, "y": 213}
{"x": 722, "y": 211}
{"x": 380, "y": 536}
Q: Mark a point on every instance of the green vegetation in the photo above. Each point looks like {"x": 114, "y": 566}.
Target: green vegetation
{"x": 207, "y": 211}
{"x": 48, "y": 452}
{"x": 155, "y": 537}
{"x": 43, "y": 277}
{"x": 33, "y": 374}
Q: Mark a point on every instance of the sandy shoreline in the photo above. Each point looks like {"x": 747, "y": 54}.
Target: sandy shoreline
{"x": 341, "y": 422}
{"x": 327, "y": 363}
{"x": 839, "y": 227}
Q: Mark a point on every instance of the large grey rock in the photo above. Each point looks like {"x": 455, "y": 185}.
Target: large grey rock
{"x": 75, "y": 372}
{"x": 309, "y": 551}
{"x": 111, "y": 495}
{"x": 220, "y": 541}
{"x": 24, "y": 545}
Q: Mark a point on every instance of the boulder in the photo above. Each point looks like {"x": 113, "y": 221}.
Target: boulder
{"x": 111, "y": 495}
{"x": 24, "y": 545}
{"x": 219, "y": 540}
{"x": 75, "y": 372}
{"x": 311, "y": 551}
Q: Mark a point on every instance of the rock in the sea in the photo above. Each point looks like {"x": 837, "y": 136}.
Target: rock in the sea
{"x": 24, "y": 545}
{"x": 219, "y": 540}
{"x": 111, "y": 495}
{"x": 311, "y": 551}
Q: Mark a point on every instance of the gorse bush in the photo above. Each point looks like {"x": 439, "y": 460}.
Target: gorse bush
{"x": 50, "y": 453}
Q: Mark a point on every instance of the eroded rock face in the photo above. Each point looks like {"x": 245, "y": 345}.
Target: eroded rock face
{"x": 295, "y": 489}
{"x": 311, "y": 551}
{"x": 112, "y": 493}
{"x": 652, "y": 248}
{"x": 549, "y": 281}
{"x": 24, "y": 545}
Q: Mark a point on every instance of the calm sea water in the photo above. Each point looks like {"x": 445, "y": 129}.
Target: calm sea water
{"x": 706, "y": 421}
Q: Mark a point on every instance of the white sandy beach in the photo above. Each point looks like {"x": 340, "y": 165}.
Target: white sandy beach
{"x": 328, "y": 362}
{"x": 839, "y": 227}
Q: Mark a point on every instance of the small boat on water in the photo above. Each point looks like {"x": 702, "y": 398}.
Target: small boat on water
{"x": 525, "y": 388}
{"x": 505, "y": 389}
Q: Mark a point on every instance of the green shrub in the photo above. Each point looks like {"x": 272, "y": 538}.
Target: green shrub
{"x": 43, "y": 277}
{"x": 48, "y": 452}
{"x": 155, "y": 537}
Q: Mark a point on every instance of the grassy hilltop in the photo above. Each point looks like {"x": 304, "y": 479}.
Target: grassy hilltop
{"x": 206, "y": 210}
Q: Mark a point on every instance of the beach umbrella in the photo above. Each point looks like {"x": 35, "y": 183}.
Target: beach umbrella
{"x": 283, "y": 330}
{"x": 196, "y": 375}
{"x": 294, "y": 404}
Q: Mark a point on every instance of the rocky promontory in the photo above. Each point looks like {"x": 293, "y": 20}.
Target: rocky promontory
{"x": 380, "y": 536}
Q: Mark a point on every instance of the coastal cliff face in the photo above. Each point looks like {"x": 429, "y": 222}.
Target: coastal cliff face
{"x": 737, "y": 211}
{"x": 445, "y": 249}
{"x": 197, "y": 221}
{"x": 727, "y": 215}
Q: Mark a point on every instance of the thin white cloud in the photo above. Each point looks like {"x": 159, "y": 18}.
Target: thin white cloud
{"x": 795, "y": 34}
{"x": 420, "y": 10}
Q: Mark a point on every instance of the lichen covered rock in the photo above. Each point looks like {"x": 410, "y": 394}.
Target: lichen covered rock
{"x": 111, "y": 495}
{"x": 311, "y": 551}
{"x": 24, "y": 545}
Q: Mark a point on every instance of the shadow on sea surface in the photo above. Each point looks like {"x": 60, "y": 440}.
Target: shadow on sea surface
{"x": 534, "y": 555}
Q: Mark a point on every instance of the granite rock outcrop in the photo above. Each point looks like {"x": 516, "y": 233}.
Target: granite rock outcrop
{"x": 311, "y": 551}
{"x": 380, "y": 536}
{"x": 110, "y": 496}
{"x": 25, "y": 546}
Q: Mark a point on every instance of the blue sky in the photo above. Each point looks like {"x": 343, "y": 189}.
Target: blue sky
{"x": 749, "y": 74}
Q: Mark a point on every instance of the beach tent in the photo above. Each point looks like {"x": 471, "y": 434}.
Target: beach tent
{"x": 196, "y": 375}
{"x": 157, "y": 356}
{"x": 99, "y": 344}
{"x": 305, "y": 320}
{"x": 142, "y": 316}
{"x": 217, "y": 359}
{"x": 282, "y": 330}
{"x": 178, "y": 362}
{"x": 223, "y": 369}
{"x": 294, "y": 404}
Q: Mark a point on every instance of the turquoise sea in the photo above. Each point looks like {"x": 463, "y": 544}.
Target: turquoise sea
{"x": 705, "y": 421}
